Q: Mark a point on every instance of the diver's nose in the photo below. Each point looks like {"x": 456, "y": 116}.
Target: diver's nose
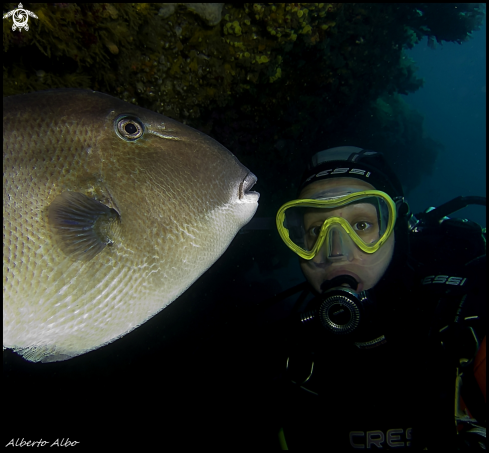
{"x": 336, "y": 244}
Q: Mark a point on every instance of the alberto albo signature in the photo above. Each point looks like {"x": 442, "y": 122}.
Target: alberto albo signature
{"x": 42, "y": 443}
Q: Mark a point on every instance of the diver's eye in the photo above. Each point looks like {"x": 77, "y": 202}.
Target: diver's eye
{"x": 362, "y": 226}
{"x": 129, "y": 129}
{"x": 314, "y": 231}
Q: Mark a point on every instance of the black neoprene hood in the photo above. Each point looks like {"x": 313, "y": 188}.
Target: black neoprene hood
{"x": 352, "y": 162}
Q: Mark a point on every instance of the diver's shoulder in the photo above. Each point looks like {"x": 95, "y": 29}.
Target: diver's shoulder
{"x": 452, "y": 242}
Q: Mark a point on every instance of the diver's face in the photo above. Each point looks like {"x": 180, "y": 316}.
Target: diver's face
{"x": 367, "y": 269}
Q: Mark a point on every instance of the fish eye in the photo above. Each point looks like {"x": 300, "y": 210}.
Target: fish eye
{"x": 129, "y": 129}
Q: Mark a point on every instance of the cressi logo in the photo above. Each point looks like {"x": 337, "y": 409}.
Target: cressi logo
{"x": 444, "y": 279}
{"x": 340, "y": 170}
{"x": 20, "y": 16}
{"x": 392, "y": 438}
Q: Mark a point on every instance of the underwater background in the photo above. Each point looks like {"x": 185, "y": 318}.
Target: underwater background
{"x": 453, "y": 104}
{"x": 274, "y": 83}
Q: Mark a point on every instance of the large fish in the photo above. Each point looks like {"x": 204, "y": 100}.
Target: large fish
{"x": 110, "y": 212}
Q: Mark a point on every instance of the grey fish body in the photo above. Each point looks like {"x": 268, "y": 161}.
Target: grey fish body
{"x": 163, "y": 199}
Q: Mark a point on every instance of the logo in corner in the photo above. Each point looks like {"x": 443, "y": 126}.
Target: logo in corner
{"x": 20, "y": 16}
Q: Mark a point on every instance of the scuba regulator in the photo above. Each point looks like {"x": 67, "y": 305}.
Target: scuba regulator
{"x": 341, "y": 312}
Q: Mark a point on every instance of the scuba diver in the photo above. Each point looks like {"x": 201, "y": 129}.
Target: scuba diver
{"x": 385, "y": 346}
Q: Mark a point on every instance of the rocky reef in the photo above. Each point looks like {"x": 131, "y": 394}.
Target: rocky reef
{"x": 272, "y": 82}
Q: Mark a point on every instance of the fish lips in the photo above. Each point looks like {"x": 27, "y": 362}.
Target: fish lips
{"x": 245, "y": 194}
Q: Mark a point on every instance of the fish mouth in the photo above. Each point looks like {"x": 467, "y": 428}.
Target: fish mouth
{"x": 245, "y": 194}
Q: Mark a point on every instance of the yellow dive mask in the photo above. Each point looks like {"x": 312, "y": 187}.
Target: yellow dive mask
{"x": 339, "y": 219}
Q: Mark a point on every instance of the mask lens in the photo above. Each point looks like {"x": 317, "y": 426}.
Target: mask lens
{"x": 364, "y": 220}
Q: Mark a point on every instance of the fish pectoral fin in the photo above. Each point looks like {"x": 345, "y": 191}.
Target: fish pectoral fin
{"x": 83, "y": 226}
